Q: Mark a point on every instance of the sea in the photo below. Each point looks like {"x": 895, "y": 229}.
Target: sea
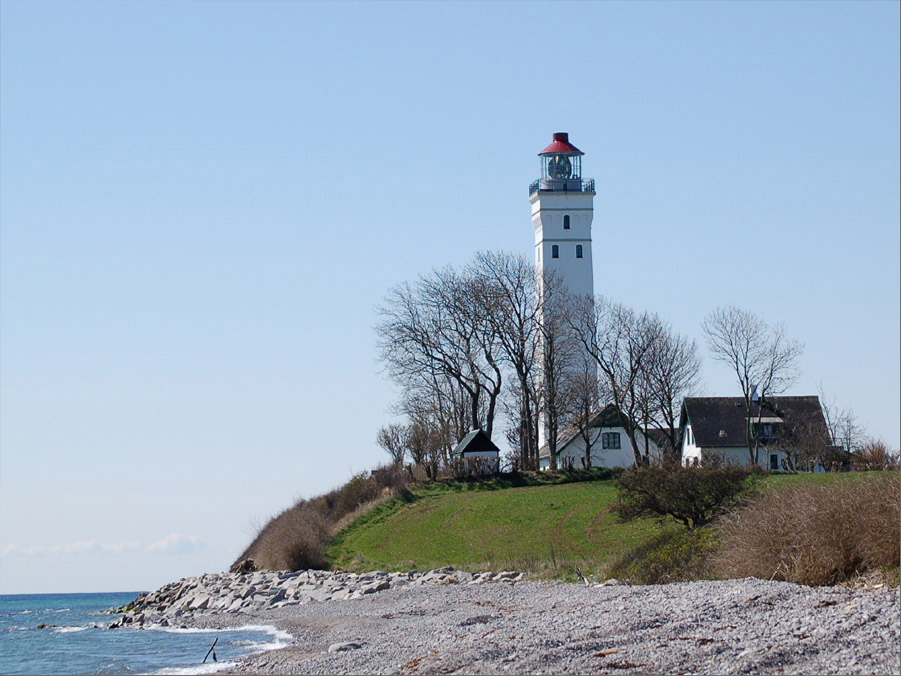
{"x": 76, "y": 639}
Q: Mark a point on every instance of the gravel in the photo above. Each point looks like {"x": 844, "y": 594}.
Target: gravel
{"x": 745, "y": 626}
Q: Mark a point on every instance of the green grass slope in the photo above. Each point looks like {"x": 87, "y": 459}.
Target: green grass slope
{"x": 533, "y": 525}
{"x": 550, "y": 528}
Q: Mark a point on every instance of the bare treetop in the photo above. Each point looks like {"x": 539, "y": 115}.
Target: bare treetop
{"x": 763, "y": 358}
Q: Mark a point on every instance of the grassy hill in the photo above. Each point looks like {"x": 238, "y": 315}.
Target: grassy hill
{"x": 543, "y": 529}
{"x": 547, "y": 529}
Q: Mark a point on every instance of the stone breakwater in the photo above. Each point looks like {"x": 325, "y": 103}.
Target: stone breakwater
{"x": 182, "y": 603}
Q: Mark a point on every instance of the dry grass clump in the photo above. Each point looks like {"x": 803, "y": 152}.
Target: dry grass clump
{"x": 814, "y": 534}
{"x": 298, "y": 537}
{"x": 293, "y": 540}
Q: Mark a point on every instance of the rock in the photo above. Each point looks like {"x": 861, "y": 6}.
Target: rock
{"x": 42, "y": 625}
{"x": 342, "y": 647}
{"x": 375, "y": 587}
{"x": 320, "y": 594}
{"x": 200, "y": 602}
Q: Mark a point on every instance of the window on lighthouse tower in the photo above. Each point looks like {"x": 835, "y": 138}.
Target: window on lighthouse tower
{"x": 578, "y": 250}
{"x": 566, "y": 222}
{"x": 555, "y": 251}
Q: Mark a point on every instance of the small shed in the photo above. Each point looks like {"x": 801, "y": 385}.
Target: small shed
{"x": 477, "y": 444}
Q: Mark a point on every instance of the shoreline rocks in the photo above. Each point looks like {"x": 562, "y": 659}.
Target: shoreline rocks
{"x": 178, "y": 603}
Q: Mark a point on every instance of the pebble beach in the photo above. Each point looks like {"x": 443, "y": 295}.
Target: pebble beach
{"x": 448, "y": 621}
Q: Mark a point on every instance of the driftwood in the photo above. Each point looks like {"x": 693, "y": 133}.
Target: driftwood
{"x": 582, "y": 575}
{"x": 211, "y": 651}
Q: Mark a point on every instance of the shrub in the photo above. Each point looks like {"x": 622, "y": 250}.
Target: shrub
{"x": 297, "y": 538}
{"x": 814, "y": 534}
{"x": 361, "y": 488}
{"x": 693, "y": 496}
{"x": 875, "y": 455}
{"x": 293, "y": 540}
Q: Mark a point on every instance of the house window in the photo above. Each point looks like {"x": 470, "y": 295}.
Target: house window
{"x": 566, "y": 222}
{"x": 774, "y": 461}
{"x": 578, "y": 250}
{"x": 555, "y": 251}
{"x": 610, "y": 440}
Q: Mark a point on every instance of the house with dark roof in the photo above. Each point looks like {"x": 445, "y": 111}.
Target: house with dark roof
{"x": 608, "y": 440}
{"x": 719, "y": 426}
{"x": 478, "y": 447}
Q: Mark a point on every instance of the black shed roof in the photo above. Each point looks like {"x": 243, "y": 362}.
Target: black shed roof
{"x": 475, "y": 442}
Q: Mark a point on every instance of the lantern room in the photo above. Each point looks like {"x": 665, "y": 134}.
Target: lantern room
{"x": 561, "y": 168}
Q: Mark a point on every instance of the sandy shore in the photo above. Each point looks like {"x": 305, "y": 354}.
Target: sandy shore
{"x": 709, "y": 627}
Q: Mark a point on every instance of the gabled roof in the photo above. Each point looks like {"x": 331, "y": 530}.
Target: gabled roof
{"x": 723, "y": 421}
{"x": 475, "y": 442}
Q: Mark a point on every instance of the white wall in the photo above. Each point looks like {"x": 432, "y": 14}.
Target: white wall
{"x": 548, "y": 210}
{"x": 735, "y": 455}
{"x": 601, "y": 457}
{"x": 577, "y": 274}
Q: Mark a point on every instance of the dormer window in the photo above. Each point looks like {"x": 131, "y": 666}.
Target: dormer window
{"x": 566, "y": 222}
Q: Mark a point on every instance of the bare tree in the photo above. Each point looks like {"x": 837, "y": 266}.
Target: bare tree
{"x": 585, "y": 400}
{"x": 505, "y": 285}
{"x": 620, "y": 341}
{"x": 558, "y": 357}
{"x": 394, "y": 439}
{"x": 436, "y": 331}
{"x": 803, "y": 440}
{"x": 764, "y": 360}
{"x": 672, "y": 372}
{"x": 845, "y": 430}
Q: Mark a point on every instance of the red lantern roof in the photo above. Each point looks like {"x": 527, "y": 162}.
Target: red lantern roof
{"x": 561, "y": 146}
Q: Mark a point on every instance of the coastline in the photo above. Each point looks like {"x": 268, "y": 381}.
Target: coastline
{"x": 437, "y": 623}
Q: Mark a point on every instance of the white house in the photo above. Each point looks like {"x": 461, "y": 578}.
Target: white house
{"x": 610, "y": 445}
{"x": 718, "y": 426}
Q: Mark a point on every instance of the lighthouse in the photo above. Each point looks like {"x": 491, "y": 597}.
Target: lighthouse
{"x": 562, "y": 211}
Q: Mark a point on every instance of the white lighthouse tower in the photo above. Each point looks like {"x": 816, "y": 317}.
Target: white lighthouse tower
{"x": 562, "y": 211}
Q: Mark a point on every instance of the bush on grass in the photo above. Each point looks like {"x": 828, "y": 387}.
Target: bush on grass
{"x": 693, "y": 496}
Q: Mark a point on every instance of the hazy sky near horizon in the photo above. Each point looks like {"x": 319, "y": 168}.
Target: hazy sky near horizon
{"x": 201, "y": 204}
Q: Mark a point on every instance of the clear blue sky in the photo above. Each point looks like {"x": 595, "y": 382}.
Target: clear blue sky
{"x": 201, "y": 203}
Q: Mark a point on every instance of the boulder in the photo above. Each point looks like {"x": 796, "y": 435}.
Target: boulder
{"x": 375, "y": 587}
{"x": 343, "y": 647}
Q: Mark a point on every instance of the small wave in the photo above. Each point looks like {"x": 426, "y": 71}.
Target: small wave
{"x": 69, "y": 630}
{"x": 274, "y": 632}
{"x": 200, "y": 669}
{"x": 62, "y": 610}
